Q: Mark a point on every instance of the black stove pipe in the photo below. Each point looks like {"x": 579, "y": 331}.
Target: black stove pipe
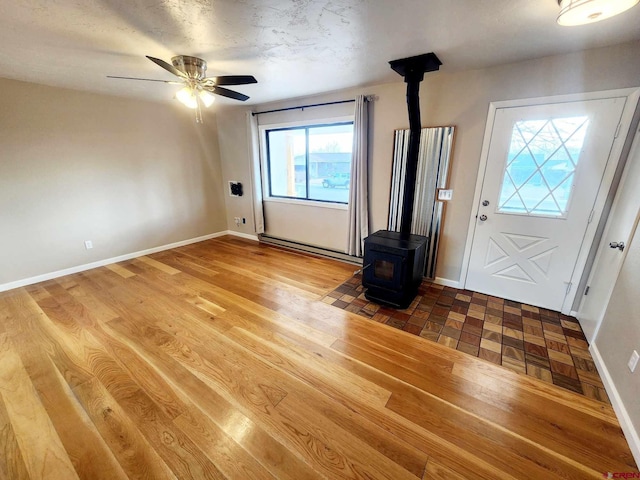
{"x": 413, "y": 70}
{"x": 415, "y": 130}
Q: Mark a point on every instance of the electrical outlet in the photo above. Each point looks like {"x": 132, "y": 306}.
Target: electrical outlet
{"x": 244, "y": 220}
{"x": 633, "y": 361}
{"x": 88, "y": 244}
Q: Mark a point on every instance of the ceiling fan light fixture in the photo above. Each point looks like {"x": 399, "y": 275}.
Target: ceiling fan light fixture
{"x": 207, "y": 98}
{"x": 187, "y": 97}
{"x": 197, "y": 90}
{"x": 581, "y": 12}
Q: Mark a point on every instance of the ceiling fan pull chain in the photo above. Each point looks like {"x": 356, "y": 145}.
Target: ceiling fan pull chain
{"x": 198, "y": 109}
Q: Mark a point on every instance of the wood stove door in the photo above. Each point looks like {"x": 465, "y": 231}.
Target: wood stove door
{"x": 384, "y": 270}
{"x": 545, "y": 167}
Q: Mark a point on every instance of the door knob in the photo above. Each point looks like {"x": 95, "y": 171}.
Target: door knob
{"x": 485, "y": 203}
{"x": 618, "y": 245}
{"x": 483, "y": 218}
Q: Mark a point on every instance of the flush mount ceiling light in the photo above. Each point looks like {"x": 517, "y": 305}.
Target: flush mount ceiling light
{"x": 581, "y": 12}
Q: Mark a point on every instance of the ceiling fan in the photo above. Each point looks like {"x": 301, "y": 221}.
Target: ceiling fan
{"x": 197, "y": 89}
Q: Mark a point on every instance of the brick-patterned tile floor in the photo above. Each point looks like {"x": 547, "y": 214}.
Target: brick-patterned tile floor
{"x": 542, "y": 343}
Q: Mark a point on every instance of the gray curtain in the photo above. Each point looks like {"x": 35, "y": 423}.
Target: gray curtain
{"x": 358, "y": 190}
{"x": 256, "y": 173}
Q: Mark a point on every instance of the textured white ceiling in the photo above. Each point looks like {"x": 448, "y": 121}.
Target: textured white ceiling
{"x": 293, "y": 47}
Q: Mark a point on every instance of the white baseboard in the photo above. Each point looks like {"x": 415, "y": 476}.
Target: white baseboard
{"x": 120, "y": 258}
{"x": 446, "y": 282}
{"x": 248, "y": 236}
{"x": 621, "y": 412}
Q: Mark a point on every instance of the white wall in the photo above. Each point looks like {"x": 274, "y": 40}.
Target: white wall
{"x": 234, "y": 148}
{"x": 307, "y": 224}
{"x": 448, "y": 98}
{"x": 126, "y": 174}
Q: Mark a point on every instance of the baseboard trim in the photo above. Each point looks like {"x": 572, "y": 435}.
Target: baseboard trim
{"x": 446, "y": 282}
{"x": 248, "y": 236}
{"x": 107, "y": 261}
{"x": 616, "y": 402}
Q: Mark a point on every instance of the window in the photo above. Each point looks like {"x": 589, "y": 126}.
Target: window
{"x": 311, "y": 162}
{"x": 541, "y": 164}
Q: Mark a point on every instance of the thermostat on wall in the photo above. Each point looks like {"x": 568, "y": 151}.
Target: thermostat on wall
{"x": 235, "y": 189}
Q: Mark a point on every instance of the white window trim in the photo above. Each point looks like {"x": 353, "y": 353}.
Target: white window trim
{"x": 307, "y": 203}
{"x": 266, "y": 196}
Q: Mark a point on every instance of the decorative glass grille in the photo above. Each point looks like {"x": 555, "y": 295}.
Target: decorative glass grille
{"x": 541, "y": 164}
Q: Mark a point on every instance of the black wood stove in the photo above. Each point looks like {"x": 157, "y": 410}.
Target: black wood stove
{"x": 394, "y": 262}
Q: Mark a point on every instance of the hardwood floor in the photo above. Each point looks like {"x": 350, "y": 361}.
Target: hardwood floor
{"x": 217, "y": 360}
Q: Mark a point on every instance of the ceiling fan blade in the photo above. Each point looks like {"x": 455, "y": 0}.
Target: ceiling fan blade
{"x": 168, "y": 67}
{"x": 233, "y": 79}
{"x": 172, "y": 82}
{"x": 225, "y": 92}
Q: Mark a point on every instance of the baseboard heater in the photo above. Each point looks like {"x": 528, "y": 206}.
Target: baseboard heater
{"x": 302, "y": 247}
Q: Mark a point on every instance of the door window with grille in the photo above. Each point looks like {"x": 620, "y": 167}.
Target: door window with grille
{"x": 541, "y": 163}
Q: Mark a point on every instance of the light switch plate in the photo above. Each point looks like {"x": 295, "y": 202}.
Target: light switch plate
{"x": 633, "y": 361}
{"x": 445, "y": 195}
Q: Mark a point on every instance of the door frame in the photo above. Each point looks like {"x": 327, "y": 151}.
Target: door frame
{"x": 632, "y": 95}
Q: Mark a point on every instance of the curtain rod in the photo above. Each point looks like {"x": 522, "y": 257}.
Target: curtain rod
{"x": 304, "y": 106}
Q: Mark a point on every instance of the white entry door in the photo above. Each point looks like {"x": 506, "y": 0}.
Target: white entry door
{"x": 544, "y": 169}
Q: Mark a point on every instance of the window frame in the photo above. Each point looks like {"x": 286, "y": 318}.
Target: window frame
{"x": 265, "y": 161}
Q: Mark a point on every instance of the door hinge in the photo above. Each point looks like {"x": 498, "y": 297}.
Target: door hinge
{"x": 569, "y": 285}
{"x": 591, "y": 216}
{"x": 586, "y": 290}
{"x": 617, "y": 130}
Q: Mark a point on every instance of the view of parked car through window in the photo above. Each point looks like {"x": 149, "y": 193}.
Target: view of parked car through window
{"x": 337, "y": 180}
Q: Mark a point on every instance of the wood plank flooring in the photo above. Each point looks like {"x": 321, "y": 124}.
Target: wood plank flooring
{"x": 218, "y": 360}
